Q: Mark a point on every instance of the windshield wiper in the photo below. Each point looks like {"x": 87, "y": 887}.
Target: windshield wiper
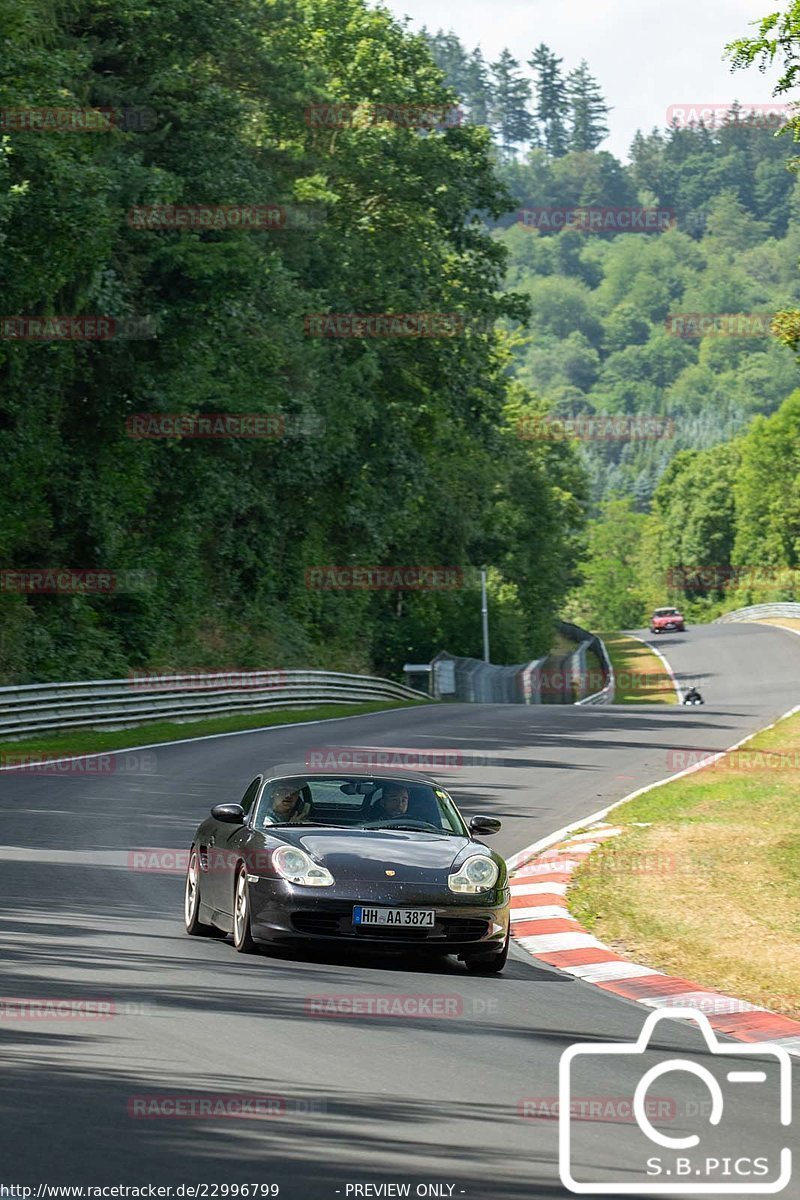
{"x": 413, "y": 828}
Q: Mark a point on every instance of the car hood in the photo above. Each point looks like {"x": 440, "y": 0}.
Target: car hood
{"x": 368, "y": 854}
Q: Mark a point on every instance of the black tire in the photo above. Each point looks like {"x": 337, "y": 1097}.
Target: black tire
{"x": 191, "y": 900}
{"x": 242, "y": 933}
{"x": 488, "y": 964}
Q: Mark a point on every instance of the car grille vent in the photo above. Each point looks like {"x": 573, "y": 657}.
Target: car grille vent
{"x": 332, "y": 924}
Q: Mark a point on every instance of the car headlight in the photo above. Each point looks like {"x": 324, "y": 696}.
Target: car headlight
{"x": 477, "y": 874}
{"x": 296, "y": 866}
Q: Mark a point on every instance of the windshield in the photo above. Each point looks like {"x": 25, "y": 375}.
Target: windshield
{"x": 356, "y": 802}
{"x": 666, "y": 612}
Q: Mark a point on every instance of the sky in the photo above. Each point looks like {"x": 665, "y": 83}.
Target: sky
{"x": 646, "y": 54}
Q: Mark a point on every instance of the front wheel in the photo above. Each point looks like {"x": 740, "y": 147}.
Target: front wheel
{"x": 191, "y": 900}
{"x": 242, "y": 934}
{"x": 488, "y": 964}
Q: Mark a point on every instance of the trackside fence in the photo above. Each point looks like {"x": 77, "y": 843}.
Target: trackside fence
{"x": 121, "y": 703}
{"x": 554, "y": 679}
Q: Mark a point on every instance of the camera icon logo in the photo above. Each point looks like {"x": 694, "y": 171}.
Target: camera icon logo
{"x": 708, "y": 1155}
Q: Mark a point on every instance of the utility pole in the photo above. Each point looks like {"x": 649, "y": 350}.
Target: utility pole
{"x": 484, "y": 616}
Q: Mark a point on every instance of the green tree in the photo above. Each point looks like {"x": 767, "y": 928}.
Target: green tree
{"x": 552, "y": 104}
{"x": 610, "y": 596}
{"x": 694, "y": 505}
{"x": 510, "y": 96}
{"x": 478, "y": 88}
{"x": 467, "y": 74}
{"x": 588, "y": 126}
{"x": 767, "y": 490}
{"x": 407, "y": 463}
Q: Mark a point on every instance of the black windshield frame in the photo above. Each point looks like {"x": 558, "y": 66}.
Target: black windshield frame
{"x": 422, "y": 794}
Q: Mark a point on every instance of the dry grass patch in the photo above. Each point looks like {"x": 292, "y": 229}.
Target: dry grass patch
{"x": 641, "y": 677}
{"x": 709, "y": 889}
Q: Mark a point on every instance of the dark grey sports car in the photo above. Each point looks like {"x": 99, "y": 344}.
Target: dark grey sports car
{"x": 350, "y": 858}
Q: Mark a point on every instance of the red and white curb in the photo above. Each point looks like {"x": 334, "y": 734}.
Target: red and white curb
{"x": 542, "y": 925}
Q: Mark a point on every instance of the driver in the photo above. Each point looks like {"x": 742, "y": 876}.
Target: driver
{"x": 286, "y": 806}
{"x": 693, "y": 694}
{"x": 393, "y": 801}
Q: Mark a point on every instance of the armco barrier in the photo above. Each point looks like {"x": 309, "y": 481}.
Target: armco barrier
{"x": 755, "y": 611}
{"x": 35, "y": 707}
{"x": 586, "y": 642}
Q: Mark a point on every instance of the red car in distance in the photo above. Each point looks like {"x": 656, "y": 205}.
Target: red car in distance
{"x": 667, "y": 620}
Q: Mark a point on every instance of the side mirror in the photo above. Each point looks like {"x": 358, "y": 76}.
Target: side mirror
{"x": 230, "y": 814}
{"x": 485, "y": 825}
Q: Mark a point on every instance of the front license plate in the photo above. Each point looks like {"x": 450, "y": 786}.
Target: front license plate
{"x": 413, "y": 918}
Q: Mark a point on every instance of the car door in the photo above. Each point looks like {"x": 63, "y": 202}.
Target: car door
{"x": 221, "y": 855}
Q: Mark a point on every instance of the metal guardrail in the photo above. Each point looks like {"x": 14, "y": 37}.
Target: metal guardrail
{"x": 120, "y": 703}
{"x": 606, "y": 694}
{"x": 789, "y": 609}
{"x": 582, "y": 679}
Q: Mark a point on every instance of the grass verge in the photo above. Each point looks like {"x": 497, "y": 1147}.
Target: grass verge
{"x": 641, "y": 677}
{"x": 707, "y": 887}
{"x": 89, "y": 741}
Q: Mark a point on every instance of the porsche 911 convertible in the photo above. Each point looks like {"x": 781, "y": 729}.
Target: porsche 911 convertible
{"x": 351, "y": 858}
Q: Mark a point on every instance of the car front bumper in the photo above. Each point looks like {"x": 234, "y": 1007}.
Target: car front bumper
{"x": 284, "y": 912}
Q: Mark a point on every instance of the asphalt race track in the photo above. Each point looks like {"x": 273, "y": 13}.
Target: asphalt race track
{"x": 362, "y": 1099}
